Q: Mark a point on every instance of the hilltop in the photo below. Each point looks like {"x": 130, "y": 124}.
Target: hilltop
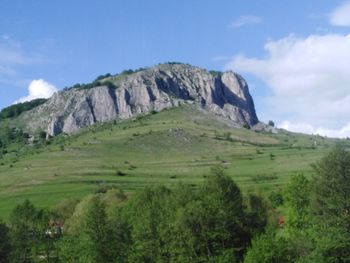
{"x": 127, "y": 95}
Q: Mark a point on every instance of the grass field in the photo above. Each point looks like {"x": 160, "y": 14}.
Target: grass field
{"x": 176, "y": 145}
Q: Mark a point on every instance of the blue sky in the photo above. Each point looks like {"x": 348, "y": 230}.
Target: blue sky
{"x": 48, "y": 45}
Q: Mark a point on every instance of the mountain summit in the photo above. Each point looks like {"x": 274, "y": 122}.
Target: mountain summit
{"x": 132, "y": 93}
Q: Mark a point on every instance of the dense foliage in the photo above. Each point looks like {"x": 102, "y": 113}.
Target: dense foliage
{"x": 317, "y": 218}
{"x": 17, "y": 109}
{"x": 211, "y": 223}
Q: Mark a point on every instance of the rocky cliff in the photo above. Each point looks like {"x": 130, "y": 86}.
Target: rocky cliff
{"x": 163, "y": 86}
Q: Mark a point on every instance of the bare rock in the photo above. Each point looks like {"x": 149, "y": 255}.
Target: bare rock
{"x": 163, "y": 86}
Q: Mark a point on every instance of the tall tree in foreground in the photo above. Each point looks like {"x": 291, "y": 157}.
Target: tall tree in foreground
{"x": 97, "y": 230}
{"x": 332, "y": 187}
{"x": 5, "y": 246}
{"x": 297, "y": 197}
{"x": 149, "y": 216}
{"x": 331, "y": 206}
{"x": 212, "y": 226}
{"x": 26, "y": 232}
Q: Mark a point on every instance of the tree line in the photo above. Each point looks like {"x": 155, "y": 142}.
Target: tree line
{"x": 16, "y": 109}
{"x": 214, "y": 222}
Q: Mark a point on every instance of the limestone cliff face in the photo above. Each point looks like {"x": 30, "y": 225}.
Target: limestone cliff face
{"x": 156, "y": 88}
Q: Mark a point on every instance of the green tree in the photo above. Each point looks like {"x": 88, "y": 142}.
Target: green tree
{"x": 74, "y": 249}
{"x": 297, "y": 201}
{"x": 120, "y": 239}
{"x": 331, "y": 206}
{"x": 257, "y": 214}
{"x": 26, "y": 231}
{"x": 97, "y": 230}
{"x": 5, "y": 246}
{"x": 149, "y": 213}
{"x": 273, "y": 248}
{"x": 212, "y": 225}
{"x": 331, "y": 187}
{"x": 65, "y": 209}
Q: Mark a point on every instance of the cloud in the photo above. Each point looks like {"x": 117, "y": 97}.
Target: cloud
{"x": 341, "y": 15}
{"x": 38, "y": 88}
{"x": 309, "y": 79}
{"x": 343, "y": 132}
{"x": 246, "y": 20}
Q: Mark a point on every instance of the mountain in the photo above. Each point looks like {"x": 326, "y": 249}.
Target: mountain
{"x": 164, "y": 125}
{"x": 127, "y": 95}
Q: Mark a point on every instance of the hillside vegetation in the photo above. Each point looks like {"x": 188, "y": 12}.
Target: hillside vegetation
{"x": 214, "y": 222}
{"x": 16, "y": 109}
{"x": 172, "y": 146}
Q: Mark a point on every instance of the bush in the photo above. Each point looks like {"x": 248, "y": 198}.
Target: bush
{"x": 276, "y": 199}
{"x": 120, "y": 173}
{"x": 269, "y": 247}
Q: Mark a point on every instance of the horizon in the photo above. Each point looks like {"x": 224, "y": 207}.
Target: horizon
{"x": 297, "y": 67}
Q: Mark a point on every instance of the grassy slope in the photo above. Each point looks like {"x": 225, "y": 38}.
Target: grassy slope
{"x": 175, "y": 145}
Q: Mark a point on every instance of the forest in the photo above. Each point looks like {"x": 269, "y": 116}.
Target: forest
{"x": 309, "y": 221}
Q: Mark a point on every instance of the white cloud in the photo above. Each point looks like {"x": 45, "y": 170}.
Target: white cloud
{"x": 309, "y": 79}
{"x": 246, "y": 20}
{"x": 307, "y": 128}
{"x": 297, "y": 127}
{"x": 341, "y": 15}
{"x": 38, "y": 88}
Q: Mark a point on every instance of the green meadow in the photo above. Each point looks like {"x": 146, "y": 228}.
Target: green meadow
{"x": 176, "y": 145}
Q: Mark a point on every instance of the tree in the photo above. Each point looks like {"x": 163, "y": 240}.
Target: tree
{"x": 97, "y": 230}
{"x": 271, "y": 247}
{"x": 257, "y": 214}
{"x": 120, "y": 237}
{"x": 26, "y": 231}
{"x": 331, "y": 206}
{"x": 297, "y": 197}
{"x": 150, "y": 214}
{"x": 65, "y": 209}
{"x": 331, "y": 187}
{"x": 74, "y": 248}
{"x": 5, "y": 246}
{"x": 211, "y": 226}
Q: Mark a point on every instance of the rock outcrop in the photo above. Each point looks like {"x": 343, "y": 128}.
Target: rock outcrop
{"x": 163, "y": 86}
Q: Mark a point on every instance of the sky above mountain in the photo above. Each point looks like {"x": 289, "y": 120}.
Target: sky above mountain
{"x": 295, "y": 55}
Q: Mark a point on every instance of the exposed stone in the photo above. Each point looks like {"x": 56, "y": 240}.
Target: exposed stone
{"x": 157, "y": 88}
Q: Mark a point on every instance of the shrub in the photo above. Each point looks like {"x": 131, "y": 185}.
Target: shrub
{"x": 120, "y": 173}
